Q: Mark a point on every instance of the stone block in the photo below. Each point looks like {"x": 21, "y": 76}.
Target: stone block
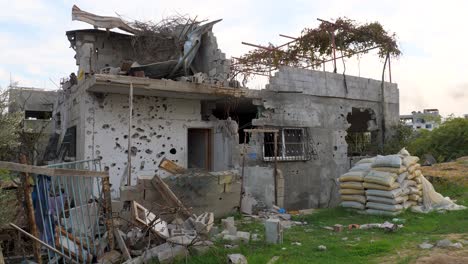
{"x": 144, "y": 182}
{"x": 273, "y": 231}
{"x": 130, "y": 193}
{"x": 243, "y": 236}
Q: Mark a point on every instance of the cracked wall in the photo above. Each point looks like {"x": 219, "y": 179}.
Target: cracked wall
{"x": 159, "y": 130}
{"x": 319, "y": 102}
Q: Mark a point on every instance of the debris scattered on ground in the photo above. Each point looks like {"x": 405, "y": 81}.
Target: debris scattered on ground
{"x": 237, "y": 259}
{"x": 322, "y": 248}
{"x": 425, "y": 245}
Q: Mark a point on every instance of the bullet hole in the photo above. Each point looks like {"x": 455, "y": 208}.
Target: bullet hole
{"x": 133, "y": 126}
{"x": 163, "y": 145}
{"x": 149, "y": 151}
{"x": 151, "y": 107}
{"x": 135, "y": 135}
{"x": 98, "y": 146}
{"x": 113, "y": 165}
{"x": 133, "y": 151}
{"x": 160, "y": 154}
{"x": 158, "y": 136}
{"x": 142, "y": 165}
{"x": 88, "y": 132}
{"x": 168, "y": 138}
{"x": 138, "y": 114}
{"x": 116, "y": 139}
{"x": 140, "y": 130}
{"x": 125, "y": 136}
{"x": 143, "y": 137}
{"x": 99, "y": 157}
{"x": 106, "y": 168}
{"x": 335, "y": 148}
{"x": 173, "y": 151}
{"x": 98, "y": 152}
{"x": 165, "y": 107}
{"x": 113, "y": 129}
{"x": 105, "y": 126}
{"x": 118, "y": 168}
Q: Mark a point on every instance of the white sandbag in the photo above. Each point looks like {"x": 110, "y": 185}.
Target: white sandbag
{"x": 381, "y": 177}
{"x": 351, "y": 191}
{"x": 393, "y": 161}
{"x": 410, "y": 160}
{"x": 365, "y": 160}
{"x": 381, "y": 212}
{"x": 414, "y": 190}
{"x": 353, "y": 176}
{"x": 418, "y": 180}
{"x": 414, "y": 197}
{"x": 392, "y": 170}
{"x": 354, "y": 205}
{"x": 354, "y": 198}
{"x": 384, "y": 207}
{"x": 411, "y": 183}
{"x": 388, "y": 194}
{"x": 403, "y": 152}
{"x": 361, "y": 167}
{"x": 413, "y": 168}
{"x": 403, "y": 176}
{"x": 376, "y": 186}
{"x": 396, "y": 200}
{"x": 352, "y": 185}
{"x": 407, "y": 204}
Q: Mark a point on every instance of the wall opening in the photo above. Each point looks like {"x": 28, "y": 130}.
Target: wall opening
{"x": 362, "y": 134}
{"x": 199, "y": 148}
{"x": 37, "y": 115}
{"x": 240, "y": 110}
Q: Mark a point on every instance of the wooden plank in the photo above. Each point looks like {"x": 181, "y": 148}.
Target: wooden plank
{"x": 171, "y": 166}
{"x": 168, "y": 195}
{"x": 50, "y": 171}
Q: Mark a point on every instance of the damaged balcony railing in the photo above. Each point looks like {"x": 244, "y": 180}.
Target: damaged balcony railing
{"x": 72, "y": 209}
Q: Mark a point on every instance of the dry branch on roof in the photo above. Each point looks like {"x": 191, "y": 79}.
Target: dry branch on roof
{"x": 315, "y": 45}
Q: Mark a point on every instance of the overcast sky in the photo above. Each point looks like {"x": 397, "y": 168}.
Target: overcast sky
{"x": 432, "y": 73}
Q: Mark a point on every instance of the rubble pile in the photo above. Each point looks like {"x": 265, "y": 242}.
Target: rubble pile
{"x": 387, "y": 185}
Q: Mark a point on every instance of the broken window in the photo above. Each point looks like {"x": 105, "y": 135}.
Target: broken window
{"x": 36, "y": 115}
{"x": 291, "y": 145}
{"x": 362, "y": 134}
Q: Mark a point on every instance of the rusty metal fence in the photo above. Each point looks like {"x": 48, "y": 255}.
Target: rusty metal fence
{"x": 71, "y": 210}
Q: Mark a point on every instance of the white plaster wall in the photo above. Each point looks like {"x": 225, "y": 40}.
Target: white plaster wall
{"x": 159, "y": 126}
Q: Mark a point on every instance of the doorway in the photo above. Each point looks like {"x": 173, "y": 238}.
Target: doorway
{"x": 199, "y": 148}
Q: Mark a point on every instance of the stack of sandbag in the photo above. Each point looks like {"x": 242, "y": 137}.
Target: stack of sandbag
{"x": 414, "y": 179}
{"x": 351, "y": 185}
{"x": 386, "y": 186}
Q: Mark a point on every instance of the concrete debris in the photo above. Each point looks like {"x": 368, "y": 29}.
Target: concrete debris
{"x": 236, "y": 259}
{"x": 119, "y": 235}
{"x": 322, "y": 248}
{"x": 446, "y": 243}
{"x": 111, "y": 257}
{"x": 338, "y": 228}
{"x": 425, "y": 245}
{"x": 204, "y": 223}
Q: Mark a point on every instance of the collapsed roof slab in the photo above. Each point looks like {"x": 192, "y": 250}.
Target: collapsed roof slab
{"x": 102, "y": 83}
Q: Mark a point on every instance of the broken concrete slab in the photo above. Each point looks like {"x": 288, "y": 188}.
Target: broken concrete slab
{"x": 243, "y": 236}
{"x": 425, "y": 245}
{"x": 236, "y": 259}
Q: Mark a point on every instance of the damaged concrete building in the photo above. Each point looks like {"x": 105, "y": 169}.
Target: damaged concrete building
{"x": 134, "y": 108}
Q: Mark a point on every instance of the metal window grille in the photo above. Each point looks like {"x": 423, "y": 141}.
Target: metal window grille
{"x": 291, "y": 145}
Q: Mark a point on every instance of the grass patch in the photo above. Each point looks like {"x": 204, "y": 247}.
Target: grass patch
{"x": 351, "y": 246}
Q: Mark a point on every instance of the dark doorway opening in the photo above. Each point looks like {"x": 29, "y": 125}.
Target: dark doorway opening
{"x": 199, "y": 148}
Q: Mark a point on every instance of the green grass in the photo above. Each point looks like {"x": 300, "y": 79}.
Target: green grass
{"x": 361, "y": 246}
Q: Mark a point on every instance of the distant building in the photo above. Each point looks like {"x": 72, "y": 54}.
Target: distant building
{"x": 37, "y": 106}
{"x": 428, "y": 119}
{"x": 465, "y": 116}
